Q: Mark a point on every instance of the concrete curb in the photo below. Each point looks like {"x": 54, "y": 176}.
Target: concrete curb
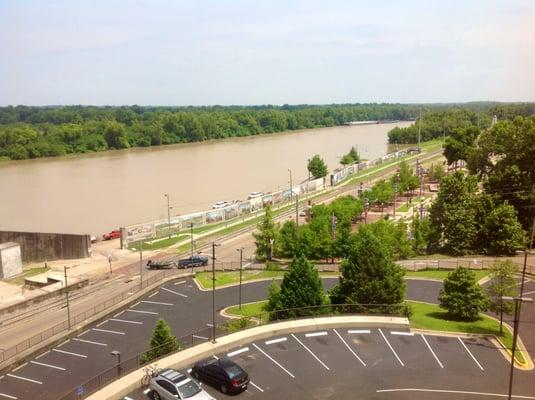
{"x": 122, "y": 387}
{"x": 274, "y": 278}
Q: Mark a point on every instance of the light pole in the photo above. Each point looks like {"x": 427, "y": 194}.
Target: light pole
{"x": 214, "y": 245}
{"x": 291, "y": 185}
{"x": 297, "y": 210}
{"x": 141, "y": 265}
{"x": 366, "y": 206}
{"x": 168, "y": 215}
{"x": 65, "y": 268}
{"x": 241, "y": 269}
{"x": 109, "y": 262}
{"x": 117, "y": 354}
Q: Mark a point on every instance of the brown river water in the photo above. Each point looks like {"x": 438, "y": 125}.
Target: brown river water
{"x": 99, "y": 192}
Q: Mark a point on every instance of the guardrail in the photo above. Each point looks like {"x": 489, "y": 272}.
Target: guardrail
{"x": 109, "y": 375}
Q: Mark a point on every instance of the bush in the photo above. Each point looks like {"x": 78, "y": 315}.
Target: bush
{"x": 162, "y": 342}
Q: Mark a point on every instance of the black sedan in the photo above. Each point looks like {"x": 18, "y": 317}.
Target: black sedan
{"x": 222, "y": 374}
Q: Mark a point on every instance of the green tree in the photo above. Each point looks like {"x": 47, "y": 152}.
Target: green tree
{"x": 419, "y": 234}
{"x": 501, "y": 232}
{"x": 344, "y": 241}
{"x": 502, "y": 283}
{"x": 436, "y": 172}
{"x": 301, "y": 285}
{"x": 266, "y": 239}
{"x": 317, "y": 167}
{"x": 368, "y": 275}
{"x": 461, "y": 296}
{"x": 274, "y": 297}
{"x": 162, "y": 342}
{"x": 289, "y": 239}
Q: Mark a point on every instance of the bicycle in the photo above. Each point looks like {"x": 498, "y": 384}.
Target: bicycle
{"x": 151, "y": 371}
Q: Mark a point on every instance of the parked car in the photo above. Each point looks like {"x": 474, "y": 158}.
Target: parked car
{"x": 223, "y": 374}
{"x": 160, "y": 264}
{"x": 220, "y": 204}
{"x": 170, "y": 384}
{"x": 112, "y": 235}
{"x": 195, "y": 261}
{"x": 254, "y": 195}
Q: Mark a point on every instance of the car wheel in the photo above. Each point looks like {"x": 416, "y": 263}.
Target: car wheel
{"x": 155, "y": 395}
{"x": 224, "y": 389}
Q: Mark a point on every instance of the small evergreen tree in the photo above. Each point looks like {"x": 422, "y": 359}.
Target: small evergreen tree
{"x": 162, "y": 342}
{"x": 502, "y": 283}
{"x": 461, "y": 296}
{"x": 289, "y": 239}
{"x": 301, "y": 285}
{"x": 274, "y": 297}
{"x": 266, "y": 238}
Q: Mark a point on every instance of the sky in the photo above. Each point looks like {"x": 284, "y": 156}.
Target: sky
{"x": 200, "y": 52}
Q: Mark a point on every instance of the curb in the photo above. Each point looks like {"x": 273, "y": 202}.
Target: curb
{"x": 274, "y": 278}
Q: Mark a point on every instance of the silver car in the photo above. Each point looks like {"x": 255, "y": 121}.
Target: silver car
{"x": 170, "y": 384}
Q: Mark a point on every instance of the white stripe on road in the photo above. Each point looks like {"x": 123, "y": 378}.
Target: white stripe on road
{"x": 48, "y": 365}
{"x": 235, "y": 353}
{"x": 532, "y": 292}
{"x": 402, "y": 333}
{"x": 42, "y": 355}
{"x": 102, "y": 323}
{"x": 8, "y": 396}
{"x": 126, "y": 321}
{"x": 143, "y": 312}
{"x": 282, "y": 339}
{"x": 157, "y": 302}
{"x": 108, "y": 331}
{"x": 127, "y": 398}
{"x": 22, "y": 378}
{"x": 172, "y": 291}
{"x": 84, "y": 332}
{"x": 349, "y": 348}
{"x": 65, "y": 342}
{"x": 471, "y": 355}
{"x": 358, "y": 331}
{"x": 391, "y": 348}
{"x": 90, "y": 342}
{"x": 314, "y": 334}
{"x": 199, "y": 337}
{"x": 310, "y": 351}
{"x": 431, "y": 350}
{"x": 210, "y": 325}
{"x": 69, "y": 353}
{"x": 154, "y": 294}
{"x": 179, "y": 283}
{"x": 19, "y": 367}
{"x": 454, "y": 391}
{"x": 135, "y": 304}
{"x": 119, "y": 313}
{"x": 146, "y": 391}
{"x": 256, "y": 386}
{"x": 273, "y": 360}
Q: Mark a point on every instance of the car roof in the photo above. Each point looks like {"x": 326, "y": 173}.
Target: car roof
{"x": 173, "y": 375}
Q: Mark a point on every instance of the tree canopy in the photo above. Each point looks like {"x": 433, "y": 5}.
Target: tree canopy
{"x": 317, "y": 167}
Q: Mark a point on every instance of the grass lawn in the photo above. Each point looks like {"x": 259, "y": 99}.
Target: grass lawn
{"x": 159, "y": 244}
{"x": 19, "y": 279}
{"x": 441, "y": 274}
{"x": 249, "y": 310}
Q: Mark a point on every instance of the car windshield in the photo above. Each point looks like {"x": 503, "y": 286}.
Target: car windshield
{"x": 188, "y": 389}
{"x": 233, "y": 371}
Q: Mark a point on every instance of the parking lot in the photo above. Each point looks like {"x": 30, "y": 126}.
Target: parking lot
{"x": 373, "y": 364}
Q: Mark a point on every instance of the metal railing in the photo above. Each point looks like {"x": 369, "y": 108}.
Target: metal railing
{"x": 185, "y": 342}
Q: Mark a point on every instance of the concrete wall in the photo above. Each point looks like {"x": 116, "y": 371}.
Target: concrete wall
{"x": 38, "y": 247}
{"x": 10, "y": 260}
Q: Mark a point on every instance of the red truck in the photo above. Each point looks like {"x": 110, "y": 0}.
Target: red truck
{"x": 112, "y": 235}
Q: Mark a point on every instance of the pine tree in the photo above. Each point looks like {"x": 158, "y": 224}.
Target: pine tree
{"x": 266, "y": 239}
{"x": 162, "y": 342}
{"x": 301, "y": 285}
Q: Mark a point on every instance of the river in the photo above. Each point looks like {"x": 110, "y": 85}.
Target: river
{"x": 94, "y": 193}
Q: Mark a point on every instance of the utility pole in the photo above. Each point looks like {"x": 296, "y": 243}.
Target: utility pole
{"x": 419, "y": 131}
{"x": 141, "y": 265}
{"x": 168, "y": 216}
{"x": 214, "y": 245}
{"x": 241, "y": 269}
{"x": 291, "y": 185}
{"x": 191, "y": 234}
{"x": 65, "y": 268}
{"x": 366, "y": 206}
{"x": 297, "y": 209}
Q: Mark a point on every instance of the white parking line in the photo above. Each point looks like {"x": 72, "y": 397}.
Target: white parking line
{"x": 7, "y": 396}
{"x": 127, "y": 398}
{"x": 453, "y": 391}
{"x": 282, "y": 339}
{"x": 70, "y": 353}
{"x": 172, "y": 291}
{"x": 146, "y": 391}
{"x": 210, "y": 325}
{"x": 90, "y": 342}
{"x": 126, "y": 321}
{"x": 84, "y": 332}
{"x": 314, "y": 334}
{"x": 19, "y": 367}
{"x": 154, "y": 294}
{"x": 157, "y": 302}
{"x": 471, "y": 355}
{"x": 135, "y": 304}
{"x": 235, "y": 353}
{"x": 22, "y": 378}
{"x": 119, "y": 313}
{"x": 179, "y": 283}
{"x": 108, "y": 331}
{"x": 256, "y": 386}
{"x": 143, "y": 312}
{"x": 310, "y": 351}
{"x": 65, "y": 342}
{"x": 431, "y": 350}
{"x": 391, "y": 348}
{"x": 273, "y": 360}
{"x": 42, "y": 355}
{"x": 532, "y": 292}
{"x": 102, "y": 323}
{"x": 401, "y": 333}
{"x": 47, "y": 365}
{"x": 199, "y": 337}
{"x": 357, "y": 331}
{"x": 349, "y": 348}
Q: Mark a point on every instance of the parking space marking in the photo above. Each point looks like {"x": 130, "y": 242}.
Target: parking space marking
{"x": 19, "y": 367}
{"x": 119, "y": 313}
{"x": 310, "y": 351}
{"x": 70, "y": 353}
{"x": 453, "y": 391}
{"x": 179, "y": 283}
{"x": 273, "y": 360}
{"x": 84, "y": 332}
{"x": 314, "y": 334}
{"x": 172, "y": 291}
{"x": 199, "y": 337}
{"x": 358, "y": 331}
{"x": 143, "y": 312}
{"x": 146, "y": 391}
{"x": 282, "y": 339}
{"x": 65, "y": 342}
{"x": 90, "y": 342}
{"x": 157, "y": 303}
{"x": 102, "y": 323}
{"x": 108, "y": 331}
{"x": 256, "y": 386}
{"x": 126, "y": 321}
{"x": 391, "y": 348}
{"x": 127, "y": 398}
{"x": 532, "y": 292}
{"x": 431, "y": 350}
{"x": 401, "y": 333}
{"x": 7, "y": 396}
{"x": 349, "y": 348}
{"x": 210, "y": 325}
{"x": 235, "y": 353}
{"x": 154, "y": 294}
{"x": 42, "y": 355}
{"x": 48, "y": 365}
{"x": 135, "y": 304}
{"x": 22, "y": 378}
{"x": 471, "y": 355}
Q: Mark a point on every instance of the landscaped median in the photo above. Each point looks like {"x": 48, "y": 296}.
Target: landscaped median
{"x": 182, "y": 359}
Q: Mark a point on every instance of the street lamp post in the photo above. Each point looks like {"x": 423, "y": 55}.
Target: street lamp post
{"x": 141, "y": 265}
{"x": 214, "y": 245}
{"x": 291, "y": 185}
{"x": 168, "y": 215}
{"x": 65, "y": 268}
{"x": 117, "y": 354}
{"x": 241, "y": 270}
